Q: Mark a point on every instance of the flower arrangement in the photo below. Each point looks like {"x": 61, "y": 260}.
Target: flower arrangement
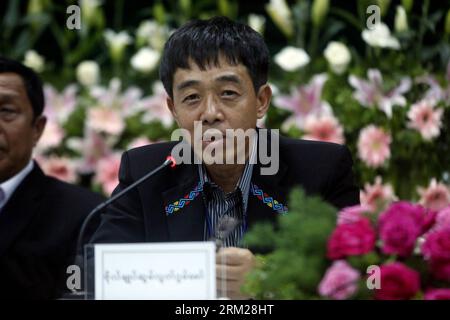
{"x": 88, "y": 128}
{"x": 381, "y": 86}
{"x": 395, "y": 251}
{"x": 375, "y": 91}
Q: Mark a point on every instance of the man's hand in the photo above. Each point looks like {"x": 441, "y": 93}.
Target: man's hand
{"x": 232, "y": 265}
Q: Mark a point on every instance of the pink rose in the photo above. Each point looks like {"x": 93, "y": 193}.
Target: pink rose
{"x": 436, "y": 249}
{"x": 437, "y": 294}
{"x": 340, "y": 281}
{"x": 437, "y": 245}
{"x": 350, "y": 239}
{"x": 352, "y": 214}
{"x": 400, "y": 226}
{"x": 429, "y": 221}
{"x": 398, "y": 282}
{"x": 443, "y": 218}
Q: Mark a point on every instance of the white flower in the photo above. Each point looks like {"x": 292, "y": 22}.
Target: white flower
{"x": 90, "y": 5}
{"x": 338, "y": 56}
{"x": 256, "y": 22}
{"x": 119, "y": 39}
{"x": 88, "y": 73}
{"x": 291, "y": 58}
{"x": 117, "y": 42}
{"x": 319, "y": 10}
{"x": 36, "y": 7}
{"x": 380, "y": 36}
{"x": 89, "y": 9}
{"x": 153, "y": 34}
{"x": 145, "y": 30}
{"x": 401, "y": 21}
{"x": 34, "y": 61}
{"x": 145, "y": 60}
{"x": 281, "y": 15}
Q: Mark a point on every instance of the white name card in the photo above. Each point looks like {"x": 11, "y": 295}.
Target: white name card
{"x": 160, "y": 271}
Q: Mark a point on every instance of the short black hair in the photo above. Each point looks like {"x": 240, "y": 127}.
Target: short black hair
{"x": 204, "y": 40}
{"x": 32, "y": 83}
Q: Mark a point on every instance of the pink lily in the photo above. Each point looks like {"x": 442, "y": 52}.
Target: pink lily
{"x": 371, "y": 93}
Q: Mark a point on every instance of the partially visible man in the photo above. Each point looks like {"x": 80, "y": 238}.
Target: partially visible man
{"x": 215, "y": 74}
{"x": 39, "y": 216}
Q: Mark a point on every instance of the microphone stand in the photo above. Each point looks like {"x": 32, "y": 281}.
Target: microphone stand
{"x": 170, "y": 161}
{"x": 226, "y": 225}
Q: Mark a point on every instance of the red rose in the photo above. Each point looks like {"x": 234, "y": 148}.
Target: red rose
{"x": 437, "y": 294}
{"x": 351, "y": 239}
{"x": 400, "y": 226}
{"x": 398, "y": 282}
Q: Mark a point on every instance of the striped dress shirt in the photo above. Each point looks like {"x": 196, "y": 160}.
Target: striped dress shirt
{"x": 234, "y": 204}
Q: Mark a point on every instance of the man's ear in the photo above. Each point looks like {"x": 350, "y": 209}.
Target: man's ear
{"x": 171, "y": 107}
{"x": 263, "y": 100}
{"x": 39, "y": 126}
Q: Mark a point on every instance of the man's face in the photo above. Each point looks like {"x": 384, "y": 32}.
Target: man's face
{"x": 220, "y": 97}
{"x": 18, "y": 132}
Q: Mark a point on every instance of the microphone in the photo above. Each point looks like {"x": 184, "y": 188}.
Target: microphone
{"x": 225, "y": 226}
{"x": 170, "y": 161}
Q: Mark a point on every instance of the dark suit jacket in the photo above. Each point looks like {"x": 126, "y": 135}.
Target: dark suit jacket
{"x": 38, "y": 229}
{"x": 323, "y": 169}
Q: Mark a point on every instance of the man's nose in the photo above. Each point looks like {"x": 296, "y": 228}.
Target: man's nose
{"x": 212, "y": 112}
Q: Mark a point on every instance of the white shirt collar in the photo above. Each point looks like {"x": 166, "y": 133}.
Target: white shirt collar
{"x": 9, "y": 186}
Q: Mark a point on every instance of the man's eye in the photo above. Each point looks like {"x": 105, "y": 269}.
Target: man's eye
{"x": 7, "y": 110}
{"x": 8, "y": 114}
{"x": 191, "y": 98}
{"x": 229, "y": 93}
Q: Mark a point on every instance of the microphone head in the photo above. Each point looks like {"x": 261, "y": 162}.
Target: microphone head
{"x": 172, "y": 161}
{"x": 226, "y": 225}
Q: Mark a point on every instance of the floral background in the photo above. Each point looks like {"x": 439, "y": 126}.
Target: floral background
{"x": 380, "y": 87}
{"x": 338, "y": 73}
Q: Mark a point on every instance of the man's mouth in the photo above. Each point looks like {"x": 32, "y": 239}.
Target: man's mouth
{"x": 213, "y": 138}
{"x": 209, "y": 139}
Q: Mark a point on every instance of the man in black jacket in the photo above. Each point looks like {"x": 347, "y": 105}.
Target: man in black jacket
{"x": 39, "y": 216}
{"x": 215, "y": 74}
